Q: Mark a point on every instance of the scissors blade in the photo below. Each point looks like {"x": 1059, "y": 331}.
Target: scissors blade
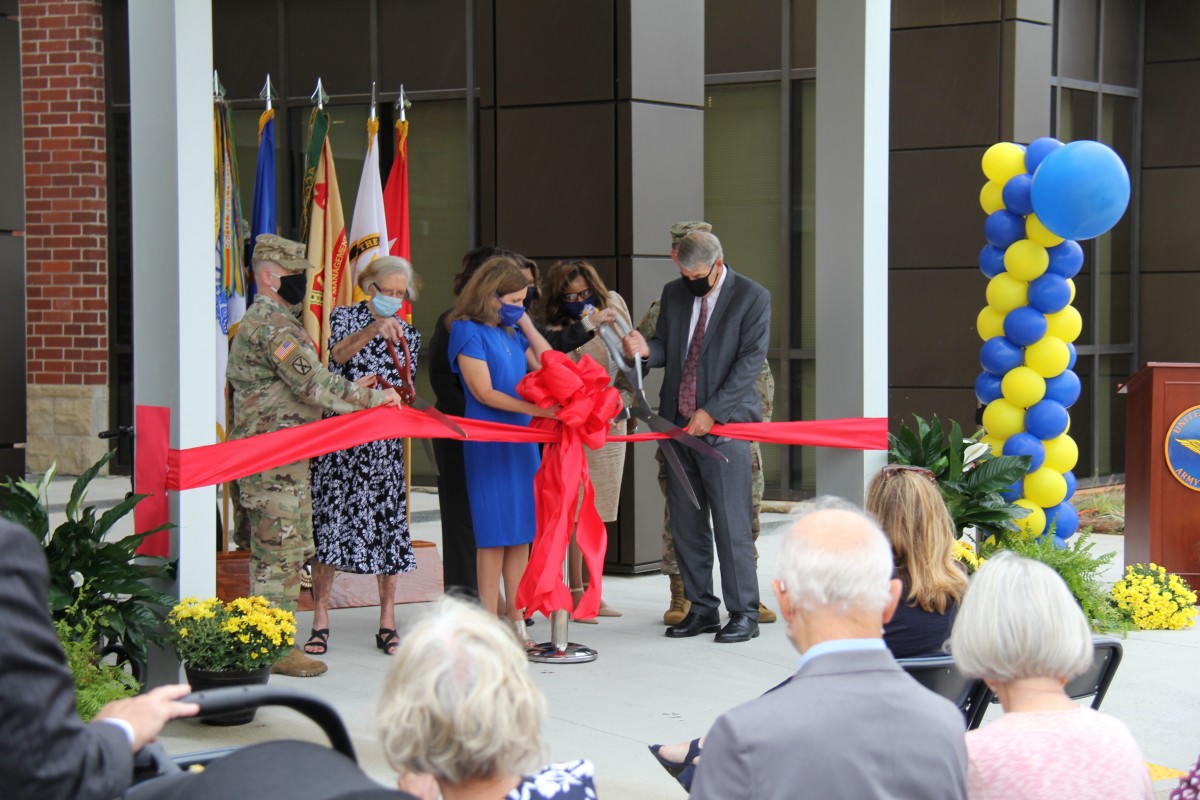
{"x": 428, "y": 409}
{"x": 660, "y": 425}
{"x": 677, "y": 468}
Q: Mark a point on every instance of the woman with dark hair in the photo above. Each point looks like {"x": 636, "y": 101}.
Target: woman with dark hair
{"x": 573, "y": 293}
{"x": 493, "y": 343}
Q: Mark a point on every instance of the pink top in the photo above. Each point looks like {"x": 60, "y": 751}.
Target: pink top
{"x": 1050, "y": 755}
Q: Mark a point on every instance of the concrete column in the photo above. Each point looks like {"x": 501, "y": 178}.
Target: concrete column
{"x": 170, "y": 54}
{"x": 853, "y": 52}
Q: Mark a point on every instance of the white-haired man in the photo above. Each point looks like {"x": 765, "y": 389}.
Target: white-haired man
{"x": 850, "y": 723}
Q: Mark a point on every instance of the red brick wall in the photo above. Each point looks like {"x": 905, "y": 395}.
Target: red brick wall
{"x": 66, "y": 249}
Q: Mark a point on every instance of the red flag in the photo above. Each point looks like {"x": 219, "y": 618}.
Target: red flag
{"x": 395, "y": 206}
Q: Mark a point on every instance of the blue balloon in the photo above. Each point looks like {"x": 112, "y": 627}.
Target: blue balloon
{"x": 1037, "y": 151}
{"x": 1046, "y": 419}
{"x": 1072, "y": 355}
{"x": 1063, "y": 388}
{"x": 1016, "y": 194}
{"x": 998, "y": 355}
{"x": 1080, "y": 190}
{"x": 1066, "y": 259}
{"x": 1002, "y": 228}
{"x": 1069, "y": 477}
{"x": 1049, "y": 293}
{"x": 1026, "y": 444}
{"x": 987, "y": 388}
{"x": 991, "y": 260}
{"x": 1065, "y": 519}
{"x": 1024, "y": 325}
{"x": 1013, "y": 493}
{"x": 1060, "y": 543}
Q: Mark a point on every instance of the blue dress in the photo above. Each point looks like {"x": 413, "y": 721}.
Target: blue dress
{"x": 499, "y": 474}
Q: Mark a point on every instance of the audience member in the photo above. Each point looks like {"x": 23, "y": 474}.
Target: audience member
{"x": 1021, "y": 630}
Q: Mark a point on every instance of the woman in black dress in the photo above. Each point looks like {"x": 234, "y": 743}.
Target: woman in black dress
{"x": 360, "y": 509}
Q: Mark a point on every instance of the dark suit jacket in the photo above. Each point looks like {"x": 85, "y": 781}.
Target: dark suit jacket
{"x": 45, "y": 751}
{"x": 848, "y": 725}
{"x": 735, "y": 346}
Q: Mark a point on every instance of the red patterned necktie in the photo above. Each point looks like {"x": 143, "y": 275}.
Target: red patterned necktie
{"x": 687, "y": 385}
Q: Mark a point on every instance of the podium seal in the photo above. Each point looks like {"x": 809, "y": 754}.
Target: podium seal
{"x": 1182, "y": 448}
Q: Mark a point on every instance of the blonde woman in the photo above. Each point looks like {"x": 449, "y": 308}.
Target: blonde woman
{"x": 460, "y": 715}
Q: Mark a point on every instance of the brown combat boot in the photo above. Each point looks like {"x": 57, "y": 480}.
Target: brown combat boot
{"x": 680, "y": 605}
{"x": 298, "y": 665}
{"x": 765, "y": 614}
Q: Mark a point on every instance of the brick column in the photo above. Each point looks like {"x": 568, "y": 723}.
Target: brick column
{"x": 62, "y": 79}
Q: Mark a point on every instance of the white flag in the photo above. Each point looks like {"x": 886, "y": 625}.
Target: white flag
{"x": 368, "y": 229}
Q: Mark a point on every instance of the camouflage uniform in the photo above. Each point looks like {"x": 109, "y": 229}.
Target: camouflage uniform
{"x": 765, "y": 383}
{"x": 278, "y": 382}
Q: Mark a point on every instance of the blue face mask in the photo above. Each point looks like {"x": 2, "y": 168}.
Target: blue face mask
{"x": 577, "y": 308}
{"x": 509, "y": 314}
{"x": 387, "y": 306}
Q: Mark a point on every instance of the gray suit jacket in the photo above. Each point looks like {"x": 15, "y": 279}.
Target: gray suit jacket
{"x": 848, "y": 725}
{"x": 735, "y": 346}
{"x": 45, "y": 751}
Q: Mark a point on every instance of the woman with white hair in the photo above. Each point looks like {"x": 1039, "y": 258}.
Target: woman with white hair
{"x": 360, "y": 509}
{"x": 460, "y": 714}
{"x": 1020, "y": 629}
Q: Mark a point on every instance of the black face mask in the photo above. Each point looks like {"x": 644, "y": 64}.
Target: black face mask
{"x": 699, "y": 286}
{"x": 292, "y": 287}
{"x": 530, "y": 296}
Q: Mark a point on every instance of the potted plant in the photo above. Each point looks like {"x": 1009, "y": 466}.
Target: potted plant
{"x": 97, "y": 682}
{"x": 229, "y": 644}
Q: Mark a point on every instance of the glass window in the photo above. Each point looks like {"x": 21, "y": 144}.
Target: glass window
{"x": 1122, "y": 24}
{"x": 803, "y": 478}
{"x": 1110, "y": 414}
{"x": 803, "y": 328}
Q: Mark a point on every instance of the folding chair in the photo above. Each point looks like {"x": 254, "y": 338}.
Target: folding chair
{"x": 939, "y": 675}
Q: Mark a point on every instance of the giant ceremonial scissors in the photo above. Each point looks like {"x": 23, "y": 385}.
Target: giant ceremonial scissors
{"x": 408, "y": 394}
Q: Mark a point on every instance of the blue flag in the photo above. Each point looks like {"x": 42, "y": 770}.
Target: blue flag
{"x": 262, "y": 219}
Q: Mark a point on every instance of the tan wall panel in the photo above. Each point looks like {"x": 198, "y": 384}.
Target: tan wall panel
{"x": 926, "y": 14}
{"x": 948, "y": 404}
{"x": 330, "y": 44}
{"x": 421, "y": 45}
{"x": 1168, "y": 317}
{"x": 804, "y": 34}
{"x": 931, "y": 320}
{"x": 245, "y": 47}
{"x": 1170, "y": 230}
{"x": 741, "y": 35}
{"x": 548, "y": 51}
{"x": 1171, "y": 27}
{"x": 1171, "y": 128}
{"x": 936, "y": 220}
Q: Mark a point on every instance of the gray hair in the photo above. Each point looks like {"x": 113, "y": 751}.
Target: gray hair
{"x": 698, "y": 249}
{"x": 1019, "y": 620}
{"x": 458, "y": 703}
{"x": 835, "y": 556}
{"x": 380, "y": 268}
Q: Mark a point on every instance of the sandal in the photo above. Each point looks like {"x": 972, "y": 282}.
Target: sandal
{"x": 677, "y": 767}
{"x": 387, "y": 640}
{"x": 317, "y": 637}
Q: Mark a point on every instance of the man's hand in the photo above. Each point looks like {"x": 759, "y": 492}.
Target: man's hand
{"x": 635, "y": 344}
{"x": 700, "y": 423}
{"x": 392, "y": 398}
{"x": 367, "y": 381}
{"x": 389, "y": 328}
{"x": 148, "y": 713}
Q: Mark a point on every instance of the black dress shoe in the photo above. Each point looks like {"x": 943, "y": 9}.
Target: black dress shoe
{"x": 740, "y": 628}
{"x": 694, "y": 624}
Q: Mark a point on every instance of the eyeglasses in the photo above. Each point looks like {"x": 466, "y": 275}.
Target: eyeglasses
{"x": 892, "y": 469}
{"x": 690, "y": 272}
{"x": 575, "y": 297}
{"x": 391, "y": 292}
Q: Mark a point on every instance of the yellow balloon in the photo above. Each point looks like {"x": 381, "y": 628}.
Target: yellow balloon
{"x": 1035, "y": 230}
{"x": 1071, "y": 283}
{"x": 995, "y": 443}
{"x": 991, "y": 197}
{"x": 1001, "y": 419}
{"x": 1002, "y": 161}
{"x": 1048, "y": 356}
{"x": 1023, "y": 387}
{"x": 1026, "y": 260}
{"x": 989, "y": 323}
{"x": 1045, "y": 487}
{"x": 1066, "y": 324}
{"x": 1033, "y": 524}
{"x": 1062, "y": 454}
{"x": 1004, "y": 293}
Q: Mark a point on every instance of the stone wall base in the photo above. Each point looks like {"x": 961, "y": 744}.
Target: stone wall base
{"x": 62, "y": 423}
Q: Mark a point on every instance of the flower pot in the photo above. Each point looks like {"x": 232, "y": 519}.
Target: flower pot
{"x": 202, "y": 679}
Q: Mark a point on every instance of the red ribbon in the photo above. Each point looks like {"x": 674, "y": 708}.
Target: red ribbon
{"x": 587, "y": 403}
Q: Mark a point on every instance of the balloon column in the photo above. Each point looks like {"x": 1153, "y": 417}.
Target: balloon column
{"x": 1039, "y": 200}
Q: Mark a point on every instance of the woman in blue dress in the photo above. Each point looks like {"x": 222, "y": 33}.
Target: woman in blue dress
{"x": 493, "y": 343}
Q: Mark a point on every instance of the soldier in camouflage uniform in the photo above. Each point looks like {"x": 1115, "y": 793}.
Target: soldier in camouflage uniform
{"x": 765, "y": 383}
{"x": 278, "y": 382}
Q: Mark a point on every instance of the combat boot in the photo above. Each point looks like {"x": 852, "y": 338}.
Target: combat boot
{"x": 680, "y": 605}
{"x": 298, "y": 665}
{"x": 765, "y": 614}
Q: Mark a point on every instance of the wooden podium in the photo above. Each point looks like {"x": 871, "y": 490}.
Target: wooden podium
{"x": 1162, "y": 468}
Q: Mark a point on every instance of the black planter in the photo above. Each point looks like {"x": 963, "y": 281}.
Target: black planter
{"x": 201, "y": 679}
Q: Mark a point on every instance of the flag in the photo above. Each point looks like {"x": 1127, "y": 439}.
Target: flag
{"x": 262, "y": 216}
{"x": 395, "y": 204}
{"x": 368, "y": 229}
{"x": 324, "y": 229}
{"x": 229, "y": 252}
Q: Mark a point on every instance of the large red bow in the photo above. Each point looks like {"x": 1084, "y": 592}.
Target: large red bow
{"x": 588, "y": 404}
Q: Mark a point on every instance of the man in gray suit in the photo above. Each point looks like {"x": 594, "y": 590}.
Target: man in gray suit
{"x": 711, "y": 338}
{"x": 850, "y": 723}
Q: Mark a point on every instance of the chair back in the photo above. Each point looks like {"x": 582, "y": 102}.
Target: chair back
{"x": 1094, "y": 683}
{"x": 939, "y": 675}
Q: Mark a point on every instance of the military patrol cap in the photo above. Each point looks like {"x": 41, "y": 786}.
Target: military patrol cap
{"x": 281, "y": 251}
{"x": 682, "y": 229}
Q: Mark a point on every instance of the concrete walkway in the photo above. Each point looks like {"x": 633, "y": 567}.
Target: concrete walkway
{"x": 646, "y": 688}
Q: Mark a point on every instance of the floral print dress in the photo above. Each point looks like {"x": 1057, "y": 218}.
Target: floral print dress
{"x": 360, "y": 509}
{"x": 570, "y": 781}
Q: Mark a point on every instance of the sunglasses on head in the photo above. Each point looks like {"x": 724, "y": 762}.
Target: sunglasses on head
{"x": 892, "y": 469}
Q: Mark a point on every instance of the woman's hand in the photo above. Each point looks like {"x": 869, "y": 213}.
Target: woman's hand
{"x": 388, "y": 327}
{"x": 367, "y": 381}
{"x": 603, "y": 316}
{"x": 546, "y": 412}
